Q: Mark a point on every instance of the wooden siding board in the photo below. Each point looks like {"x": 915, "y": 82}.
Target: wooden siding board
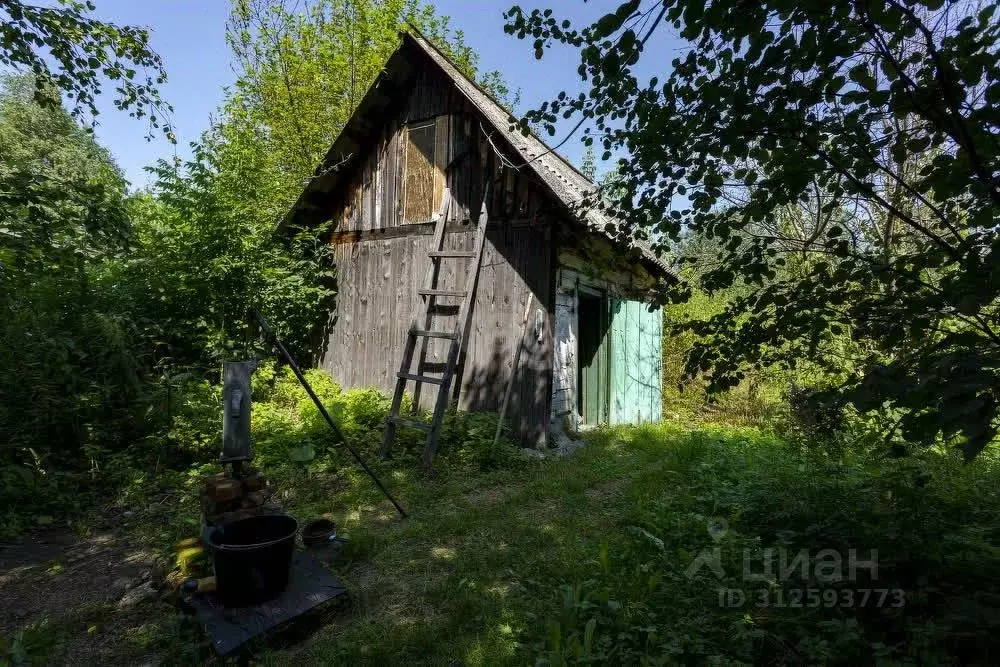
{"x": 460, "y": 176}
{"x": 378, "y": 300}
{"x": 379, "y": 273}
{"x": 383, "y": 340}
{"x": 442, "y": 142}
{"x": 388, "y": 169}
{"x": 378, "y": 196}
{"x": 636, "y": 378}
{"x": 364, "y": 319}
{"x": 653, "y": 352}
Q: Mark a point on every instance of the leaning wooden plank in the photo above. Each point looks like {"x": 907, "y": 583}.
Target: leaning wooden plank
{"x": 513, "y": 369}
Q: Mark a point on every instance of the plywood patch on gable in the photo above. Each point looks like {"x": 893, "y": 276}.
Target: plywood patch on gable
{"x": 418, "y": 173}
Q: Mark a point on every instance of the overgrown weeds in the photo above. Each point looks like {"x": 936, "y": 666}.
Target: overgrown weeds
{"x": 290, "y": 439}
{"x": 651, "y": 545}
{"x": 741, "y": 548}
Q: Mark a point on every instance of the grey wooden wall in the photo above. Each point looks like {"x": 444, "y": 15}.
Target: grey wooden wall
{"x": 372, "y": 198}
{"x": 377, "y": 299}
{"x": 382, "y": 262}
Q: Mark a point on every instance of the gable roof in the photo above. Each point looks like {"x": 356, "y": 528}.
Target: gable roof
{"x": 565, "y": 182}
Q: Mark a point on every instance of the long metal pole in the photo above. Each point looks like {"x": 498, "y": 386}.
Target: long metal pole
{"x": 273, "y": 338}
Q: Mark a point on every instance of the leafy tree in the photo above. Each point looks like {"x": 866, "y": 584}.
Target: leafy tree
{"x": 879, "y": 119}
{"x": 68, "y": 361}
{"x": 204, "y": 255}
{"x": 71, "y": 53}
{"x": 206, "y": 232}
{"x": 588, "y": 164}
{"x": 302, "y": 72}
{"x": 69, "y": 377}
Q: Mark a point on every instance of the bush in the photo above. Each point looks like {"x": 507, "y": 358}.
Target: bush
{"x": 289, "y": 436}
{"x": 742, "y": 492}
{"x": 757, "y": 401}
{"x": 285, "y": 420}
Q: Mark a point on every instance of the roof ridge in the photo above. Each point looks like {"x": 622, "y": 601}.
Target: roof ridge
{"x": 557, "y": 174}
{"x": 548, "y": 149}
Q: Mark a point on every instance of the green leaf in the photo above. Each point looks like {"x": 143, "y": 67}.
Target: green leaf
{"x": 302, "y": 454}
{"x": 862, "y": 75}
{"x": 611, "y": 22}
{"x": 588, "y": 636}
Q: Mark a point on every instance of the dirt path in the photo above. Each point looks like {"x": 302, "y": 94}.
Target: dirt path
{"x": 62, "y": 595}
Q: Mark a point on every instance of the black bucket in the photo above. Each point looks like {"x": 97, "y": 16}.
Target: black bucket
{"x": 252, "y": 558}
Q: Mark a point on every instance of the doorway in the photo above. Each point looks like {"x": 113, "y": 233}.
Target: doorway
{"x": 592, "y": 345}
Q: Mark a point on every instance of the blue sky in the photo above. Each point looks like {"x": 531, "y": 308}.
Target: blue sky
{"x": 190, "y": 35}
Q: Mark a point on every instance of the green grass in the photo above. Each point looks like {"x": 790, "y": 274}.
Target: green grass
{"x": 466, "y": 577}
{"x": 511, "y": 566}
{"x": 507, "y": 559}
{"x": 474, "y": 567}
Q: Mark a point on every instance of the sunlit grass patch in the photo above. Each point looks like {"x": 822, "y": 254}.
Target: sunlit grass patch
{"x": 505, "y": 560}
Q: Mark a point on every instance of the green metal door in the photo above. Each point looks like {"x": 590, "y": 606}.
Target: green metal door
{"x": 592, "y": 344}
{"x": 636, "y": 358}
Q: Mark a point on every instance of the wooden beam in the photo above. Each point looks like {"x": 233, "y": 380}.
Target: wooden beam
{"x": 513, "y": 368}
{"x": 419, "y": 229}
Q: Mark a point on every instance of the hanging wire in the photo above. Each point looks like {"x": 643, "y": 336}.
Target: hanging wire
{"x": 641, "y": 44}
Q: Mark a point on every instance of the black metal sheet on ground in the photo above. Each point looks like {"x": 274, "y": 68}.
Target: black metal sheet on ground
{"x": 310, "y": 584}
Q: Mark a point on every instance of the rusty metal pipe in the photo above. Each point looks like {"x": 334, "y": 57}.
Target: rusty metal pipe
{"x": 273, "y": 338}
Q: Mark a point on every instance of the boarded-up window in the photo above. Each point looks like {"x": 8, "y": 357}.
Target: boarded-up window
{"x": 423, "y": 169}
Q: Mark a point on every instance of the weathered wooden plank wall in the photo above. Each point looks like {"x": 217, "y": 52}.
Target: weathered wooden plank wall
{"x": 382, "y": 262}
{"x": 372, "y": 198}
{"x": 377, "y": 300}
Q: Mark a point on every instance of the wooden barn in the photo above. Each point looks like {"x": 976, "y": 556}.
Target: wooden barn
{"x": 426, "y": 183}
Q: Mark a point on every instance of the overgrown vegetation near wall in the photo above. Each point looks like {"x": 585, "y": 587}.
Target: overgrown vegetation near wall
{"x": 113, "y": 302}
{"x": 757, "y": 401}
{"x": 798, "y": 401}
{"x": 290, "y": 439}
{"x": 704, "y": 567}
{"x": 827, "y": 174}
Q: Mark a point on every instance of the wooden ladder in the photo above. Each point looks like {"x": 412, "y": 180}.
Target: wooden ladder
{"x": 420, "y": 330}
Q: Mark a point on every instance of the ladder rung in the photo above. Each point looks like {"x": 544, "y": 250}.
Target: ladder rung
{"x": 440, "y": 292}
{"x": 420, "y": 378}
{"x": 451, "y": 253}
{"x": 402, "y": 421}
{"x": 434, "y": 334}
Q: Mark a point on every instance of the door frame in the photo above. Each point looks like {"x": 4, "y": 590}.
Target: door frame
{"x": 604, "y": 349}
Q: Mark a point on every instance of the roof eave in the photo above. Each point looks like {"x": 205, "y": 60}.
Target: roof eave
{"x": 560, "y": 177}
